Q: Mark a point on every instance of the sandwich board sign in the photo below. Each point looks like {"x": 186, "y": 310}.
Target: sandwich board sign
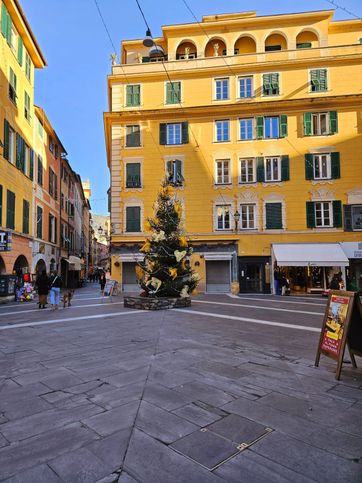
{"x": 342, "y": 326}
{"x": 109, "y": 288}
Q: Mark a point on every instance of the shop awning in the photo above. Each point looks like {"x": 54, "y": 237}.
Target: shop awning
{"x": 217, "y": 256}
{"x": 75, "y": 263}
{"x": 309, "y": 254}
{"x": 130, "y": 257}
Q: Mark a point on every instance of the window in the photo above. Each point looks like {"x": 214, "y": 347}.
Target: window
{"x": 352, "y": 217}
{"x": 247, "y": 171}
{"x": 9, "y": 142}
{"x": 222, "y": 130}
{"x": 51, "y": 144}
{"x": 304, "y": 45}
{"x": 221, "y": 89}
{"x": 28, "y": 66}
{"x": 320, "y": 123}
{"x": 53, "y": 184}
{"x": 26, "y": 216}
{"x": 247, "y": 217}
{"x": 10, "y": 210}
{"x": 223, "y": 217}
{"x": 40, "y": 171}
{"x": 318, "y": 80}
{"x": 133, "y": 175}
{"x": 272, "y": 48}
{"x": 12, "y": 86}
{"x": 246, "y": 129}
{"x": 272, "y": 167}
{"x": 133, "y": 95}
{"x": 246, "y": 87}
{"x": 223, "y": 175}
{"x": 1, "y": 205}
{"x": 6, "y": 23}
{"x": 271, "y": 127}
{"x": 40, "y": 129}
{"x": 173, "y": 92}
{"x": 39, "y": 222}
{"x": 271, "y": 84}
{"x": 323, "y": 213}
{"x": 174, "y": 172}
{"x": 321, "y": 166}
{"x": 27, "y": 106}
{"x": 273, "y": 216}
{"x": 52, "y": 228}
{"x": 175, "y": 133}
{"x": 133, "y": 136}
{"x": 26, "y": 169}
{"x": 62, "y": 201}
{"x": 20, "y": 50}
{"x": 133, "y": 218}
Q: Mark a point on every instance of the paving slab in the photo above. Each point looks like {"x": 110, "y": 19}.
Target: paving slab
{"x": 150, "y": 461}
{"x": 197, "y": 415}
{"x": 79, "y": 466}
{"x": 113, "y": 420}
{"x": 39, "y": 474}
{"x": 203, "y": 392}
{"x": 161, "y": 424}
{"x": 111, "y": 450}
{"x": 165, "y": 398}
{"x": 238, "y": 429}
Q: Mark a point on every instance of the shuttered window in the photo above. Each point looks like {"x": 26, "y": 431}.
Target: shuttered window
{"x": 133, "y": 218}
{"x": 20, "y": 50}
{"x": 26, "y": 212}
{"x": 10, "y": 210}
{"x": 31, "y": 164}
{"x": 40, "y": 171}
{"x": 133, "y": 95}
{"x": 352, "y": 217}
{"x": 271, "y": 127}
{"x": 12, "y": 86}
{"x": 273, "y": 216}
{"x": 174, "y": 133}
{"x": 6, "y": 23}
{"x": 39, "y": 222}
{"x": 173, "y": 92}
{"x": 133, "y": 136}
{"x": 174, "y": 172}
{"x": 9, "y": 142}
{"x": 322, "y": 166}
{"x": 324, "y": 214}
{"x": 28, "y": 66}
{"x": 133, "y": 175}
{"x": 271, "y": 84}
{"x": 318, "y": 80}
{"x": 27, "y": 112}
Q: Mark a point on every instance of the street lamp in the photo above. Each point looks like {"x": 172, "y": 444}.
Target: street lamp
{"x": 236, "y": 219}
{"x": 148, "y": 40}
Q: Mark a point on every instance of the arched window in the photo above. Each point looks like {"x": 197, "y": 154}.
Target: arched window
{"x": 186, "y": 50}
{"x": 245, "y": 45}
{"x": 307, "y": 40}
{"x": 215, "y": 48}
{"x": 275, "y": 42}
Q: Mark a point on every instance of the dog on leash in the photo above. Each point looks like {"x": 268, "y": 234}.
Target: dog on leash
{"x": 67, "y": 297}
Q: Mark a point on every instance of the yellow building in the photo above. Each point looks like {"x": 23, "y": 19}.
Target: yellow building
{"x": 19, "y": 55}
{"x": 257, "y": 122}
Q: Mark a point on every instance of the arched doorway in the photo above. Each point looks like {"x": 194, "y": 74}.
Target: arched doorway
{"x": 307, "y": 40}
{"x": 2, "y": 266}
{"x": 40, "y": 267}
{"x": 21, "y": 265}
{"x": 53, "y": 265}
{"x": 186, "y": 50}
{"x": 245, "y": 45}
{"x": 215, "y": 48}
{"x": 275, "y": 42}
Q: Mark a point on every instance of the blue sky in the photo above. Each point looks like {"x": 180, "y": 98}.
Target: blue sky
{"x": 72, "y": 89}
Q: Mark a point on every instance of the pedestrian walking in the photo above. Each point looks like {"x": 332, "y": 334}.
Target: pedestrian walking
{"x": 277, "y": 282}
{"x": 42, "y": 283}
{"x": 285, "y": 284}
{"x": 55, "y": 284}
{"x": 103, "y": 281}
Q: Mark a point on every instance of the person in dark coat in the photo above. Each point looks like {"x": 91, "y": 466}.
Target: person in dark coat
{"x": 42, "y": 283}
{"x": 103, "y": 281}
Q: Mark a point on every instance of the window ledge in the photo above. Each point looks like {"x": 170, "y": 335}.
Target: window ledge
{"x": 246, "y": 98}
{"x": 221, "y": 142}
{"x": 133, "y": 147}
{"x": 251, "y": 184}
{"x": 273, "y": 183}
{"x": 323, "y": 181}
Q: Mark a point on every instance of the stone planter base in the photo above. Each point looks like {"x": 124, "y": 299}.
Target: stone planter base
{"x": 154, "y": 303}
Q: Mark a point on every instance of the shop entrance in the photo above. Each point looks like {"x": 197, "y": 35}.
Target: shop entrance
{"x": 2, "y": 266}
{"x": 254, "y": 274}
{"x": 129, "y": 279}
{"x": 218, "y": 276}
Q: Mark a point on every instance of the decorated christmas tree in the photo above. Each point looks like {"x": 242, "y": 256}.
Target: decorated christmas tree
{"x": 165, "y": 270}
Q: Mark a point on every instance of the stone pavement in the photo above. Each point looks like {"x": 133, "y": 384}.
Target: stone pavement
{"x": 224, "y": 391}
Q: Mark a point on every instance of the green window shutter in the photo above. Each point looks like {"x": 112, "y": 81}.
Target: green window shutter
{"x": 9, "y": 25}
{"x": 169, "y": 165}
{"x": 283, "y": 126}
{"x": 20, "y": 50}
{"x": 31, "y": 164}
{"x": 178, "y": 167}
{"x": 50, "y": 227}
{"x": 19, "y": 140}
{"x": 275, "y": 81}
{"x": 169, "y": 95}
{"x": 22, "y": 162}
{"x": 163, "y": 133}
{"x": 39, "y": 222}
{"x": 285, "y": 168}
{"x": 266, "y": 83}
{"x": 310, "y": 214}
{"x": 133, "y": 175}
{"x": 1, "y": 205}
{"x": 307, "y": 122}
{"x": 259, "y": 127}
{"x": 335, "y": 166}
{"x": 136, "y": 95}
{"x": 133, "y": 222}
{"x": 4, "y": 20}
{"x": 273, "y": 212}
{"x": 260, "y": 169}
{"x": 176, "y": 92}
{"x": 347, "y": 218}
{"x": 25, "y": 216}
{"x": 309, "y": 172}
{"x": 323, "y": 79}
{"x": 129, "y": 96}
{"x": 10, "y": 210}
{"x": 337, "y": 213}
{"x": 333, "y": 122}
{"x": 185, "y": 132}
{"x": 6, "y": 150}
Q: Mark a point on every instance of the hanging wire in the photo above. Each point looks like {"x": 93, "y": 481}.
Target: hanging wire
{"x": 143, "y": 15}
{"x": 332, "y": 2}
{"x": 105, "y": 26}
